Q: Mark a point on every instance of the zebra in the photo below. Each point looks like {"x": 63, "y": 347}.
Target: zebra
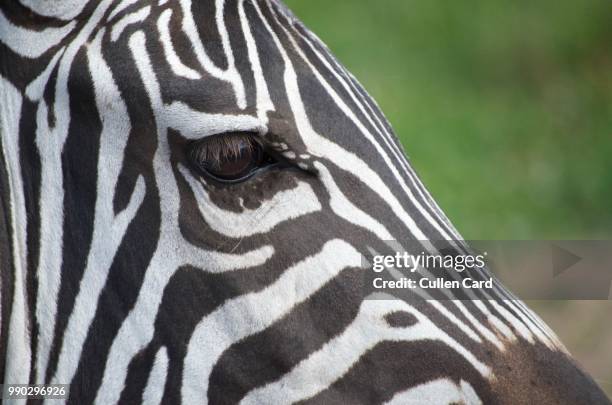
{"x": 189, "y": 189}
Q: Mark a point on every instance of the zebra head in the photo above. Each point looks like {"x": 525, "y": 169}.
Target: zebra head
{"x": 188, "y": 189}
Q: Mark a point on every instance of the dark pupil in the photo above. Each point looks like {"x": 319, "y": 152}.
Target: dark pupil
{"x": 235, "y": 165}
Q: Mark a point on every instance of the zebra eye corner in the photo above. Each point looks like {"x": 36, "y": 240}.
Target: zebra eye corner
{"x": 229, "y": 158}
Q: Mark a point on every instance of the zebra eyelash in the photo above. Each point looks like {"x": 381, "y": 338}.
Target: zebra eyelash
{"x": 218, "y": 147}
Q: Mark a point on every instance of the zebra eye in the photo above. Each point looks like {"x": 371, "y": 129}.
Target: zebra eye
{"x": 229, "y": 158}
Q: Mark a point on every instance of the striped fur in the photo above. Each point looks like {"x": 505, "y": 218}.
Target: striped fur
{"x": 132, "y": 278}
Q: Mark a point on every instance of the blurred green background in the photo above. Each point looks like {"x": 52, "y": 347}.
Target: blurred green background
{"x": 505, "y": 110}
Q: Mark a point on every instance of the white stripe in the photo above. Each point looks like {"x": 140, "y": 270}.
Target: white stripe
{"x": 345, "y": 209}
{"x": 127, "y": 20}
{"x": 175, "y": 63}
{"x": 61, "y": 9}
{"x": 284, "y": 206}
{"x": 194, "y": 124}
{"x": 254, "y": 312}
{"x": 154, "y": 391}
{"x": 264, "y": 103}
{"x": 437, "y": 392}
{"x": 120, "y": 7}
{"x": 28, "y": 43}
{"x": 231, "y": 71}
{"x": 36, "y": 88}
{"x": 18, "y": 360}
{"x": 231, "y": 74}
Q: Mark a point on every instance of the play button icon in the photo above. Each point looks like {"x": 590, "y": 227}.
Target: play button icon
{"x": 562, "y": 259}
